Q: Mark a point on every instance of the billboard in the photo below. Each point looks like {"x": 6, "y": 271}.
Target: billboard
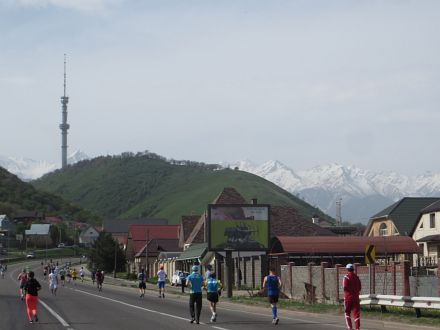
{"x": 236, "y": 227}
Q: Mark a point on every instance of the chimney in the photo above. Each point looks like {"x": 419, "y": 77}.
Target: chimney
{"x": 254, "y": 201}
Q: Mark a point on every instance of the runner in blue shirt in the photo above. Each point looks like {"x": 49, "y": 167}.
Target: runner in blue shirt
{"x": 273, "y": 284}
{"x": 214, "y": 287}
{"x": 195, "y": 280}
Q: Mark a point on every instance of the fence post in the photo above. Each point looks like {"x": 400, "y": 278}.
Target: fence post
{"x": 312, "y": 290}
{"x": 337, "y": 267}
{"x": 291, "y": 265}
{"x": 393, "y": 276}
{"x": 405, "y": 275}
{"x": 324, "y": 265}
{"x": 438, "y": 276}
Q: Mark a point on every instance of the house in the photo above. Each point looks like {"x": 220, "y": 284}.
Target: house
{"x": 28, "y": 217}
{"x": 88, "y": 236}
{"x": 6, "y": 225}
{"x": 39, "y": 235}
{"x": 426, "y": 232}
{"x": 141, "y": 235}
{"x": 399, "y": 218}
{"x": 119, "y": 228}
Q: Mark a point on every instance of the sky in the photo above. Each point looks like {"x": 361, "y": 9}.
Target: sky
{"x": 299, "y": 81}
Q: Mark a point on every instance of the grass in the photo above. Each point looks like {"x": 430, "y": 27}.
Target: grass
{"x": 394, "y": 314}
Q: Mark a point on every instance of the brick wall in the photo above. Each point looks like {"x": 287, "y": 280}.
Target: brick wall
{"x": 318, "y": 283}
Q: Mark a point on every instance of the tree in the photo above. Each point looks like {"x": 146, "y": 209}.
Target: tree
{"x": 102, "y": 255}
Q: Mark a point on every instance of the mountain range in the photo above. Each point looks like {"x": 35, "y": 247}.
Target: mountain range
{"x": 29, "y": 169}
{"x": 362, "y": 193}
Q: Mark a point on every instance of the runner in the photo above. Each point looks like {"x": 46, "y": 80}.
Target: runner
{"x": 74, "y": 275}
{"x": 161, "y": 276}
{"x": 214, "y": 287}
{"x": 45, "y": 272}
{"x": 81, "y": 274}
{"x": 63, "y": 276}
{"x": 2, "y": 270}
{"x": 31, "y": 288}
{"x": 195, "y": 280}
{"x": 352, "y": 287}
{"x": 69, "y": 275}
{"x": 22, "y": 277}
{"x": 53, "y": 282}
{"x": 273, "y": 285}
{"x": 142, "y": 277}
{"x": 99, "y": 279}
{"x": 93, "y": 276}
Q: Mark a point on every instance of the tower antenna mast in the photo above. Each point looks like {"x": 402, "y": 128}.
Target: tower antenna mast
{"x": 64, "y": 126}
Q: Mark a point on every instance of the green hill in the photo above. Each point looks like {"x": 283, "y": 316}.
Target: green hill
{"x": 147, "y": 185}
{"x": 17, "y": 196}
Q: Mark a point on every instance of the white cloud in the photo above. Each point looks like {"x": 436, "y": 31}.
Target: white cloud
{"x": 82, "y": 5}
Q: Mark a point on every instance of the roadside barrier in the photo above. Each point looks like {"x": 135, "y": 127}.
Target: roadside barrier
{"x": 417, "y": 303}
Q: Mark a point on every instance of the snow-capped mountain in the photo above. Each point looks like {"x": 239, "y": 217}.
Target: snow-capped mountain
{"x": 29, "y": 169}
{"x": 363, "y": 192}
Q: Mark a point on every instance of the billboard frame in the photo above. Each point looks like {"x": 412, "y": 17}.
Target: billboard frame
{"x": 209, "y": 220}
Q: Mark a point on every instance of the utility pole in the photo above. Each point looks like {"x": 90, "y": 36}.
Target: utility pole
{"x": 114, "y": 270}
{"x": 147, "y": 270}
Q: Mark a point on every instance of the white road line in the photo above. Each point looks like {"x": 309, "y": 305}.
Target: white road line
{"x": 59, "y": 318}
{"x": 142, "y": 308}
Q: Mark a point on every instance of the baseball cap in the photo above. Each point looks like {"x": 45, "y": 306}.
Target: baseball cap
{"x": 195, "y": 268}
{"x": 349, "y": 266}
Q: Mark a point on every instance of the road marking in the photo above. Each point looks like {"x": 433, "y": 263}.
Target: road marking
{"x": 58, "y": 317}
{"x": 142, "y": 308}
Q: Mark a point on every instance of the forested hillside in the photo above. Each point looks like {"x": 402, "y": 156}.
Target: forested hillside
{"x": 16, "y": 196}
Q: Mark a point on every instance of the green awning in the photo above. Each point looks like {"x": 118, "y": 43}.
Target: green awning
{"x": 194, "y": 253}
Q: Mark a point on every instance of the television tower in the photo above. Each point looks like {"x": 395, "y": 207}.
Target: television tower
{"x": 64, "y": 126}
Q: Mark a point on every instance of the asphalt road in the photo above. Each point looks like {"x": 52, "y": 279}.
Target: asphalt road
{"x": 82, "y": 307}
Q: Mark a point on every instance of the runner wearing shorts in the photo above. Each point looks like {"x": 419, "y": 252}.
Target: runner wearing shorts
{"x": 22, "y": 277}
{"x": 53, "y": 283}
{"x": 142, "y": 277}
{"x": 214, "y": 287}
{"x": 99, "y": 280}
{"x": 63, "y": 276}
{"x": 273, "y": 284}
{"x": 74, "y": 276}
{"x": 161, "y": 277}
{"x": 81, "y": 274}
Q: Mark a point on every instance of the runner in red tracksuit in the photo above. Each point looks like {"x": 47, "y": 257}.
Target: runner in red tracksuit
{"x": 352, "y": 288}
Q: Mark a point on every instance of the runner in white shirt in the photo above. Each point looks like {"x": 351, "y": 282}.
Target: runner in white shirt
{"x": 53, "y": 283}
{"x": 161, "y": 277}
{"x": 81, "y": 274}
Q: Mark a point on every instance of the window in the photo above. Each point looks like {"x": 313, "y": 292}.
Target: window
{"x": 432, "y": 220}
{"x": 421, "y": 225}
{"x": 383, "y": 231}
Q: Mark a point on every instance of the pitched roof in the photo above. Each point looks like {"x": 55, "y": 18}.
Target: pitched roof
{"x": 229, "y": 196}
{"x": 149, "y": 232}
{"x": 155, "y": 246}
{"x": 121, "y": 226}
{"x": 347, "y": 246}
{"x": 195, "y": 251}
{"x": 405, "y": 213}
{"x": 430, "y": 238}
{"x": 187, "y": 225}
{"x": 38, "y": 229}
{"x": 434, "y": 207}
{"x": 286, "y": 221}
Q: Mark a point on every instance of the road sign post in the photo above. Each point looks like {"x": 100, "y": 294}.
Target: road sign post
{"x": 370, "y": 254}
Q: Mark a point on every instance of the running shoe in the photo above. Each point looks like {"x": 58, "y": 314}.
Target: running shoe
{"x": 191, "y": 321}
{"x": 163, "y": 295}
{"x": 36, "y": 318}
{"x": 214, "y": 317}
